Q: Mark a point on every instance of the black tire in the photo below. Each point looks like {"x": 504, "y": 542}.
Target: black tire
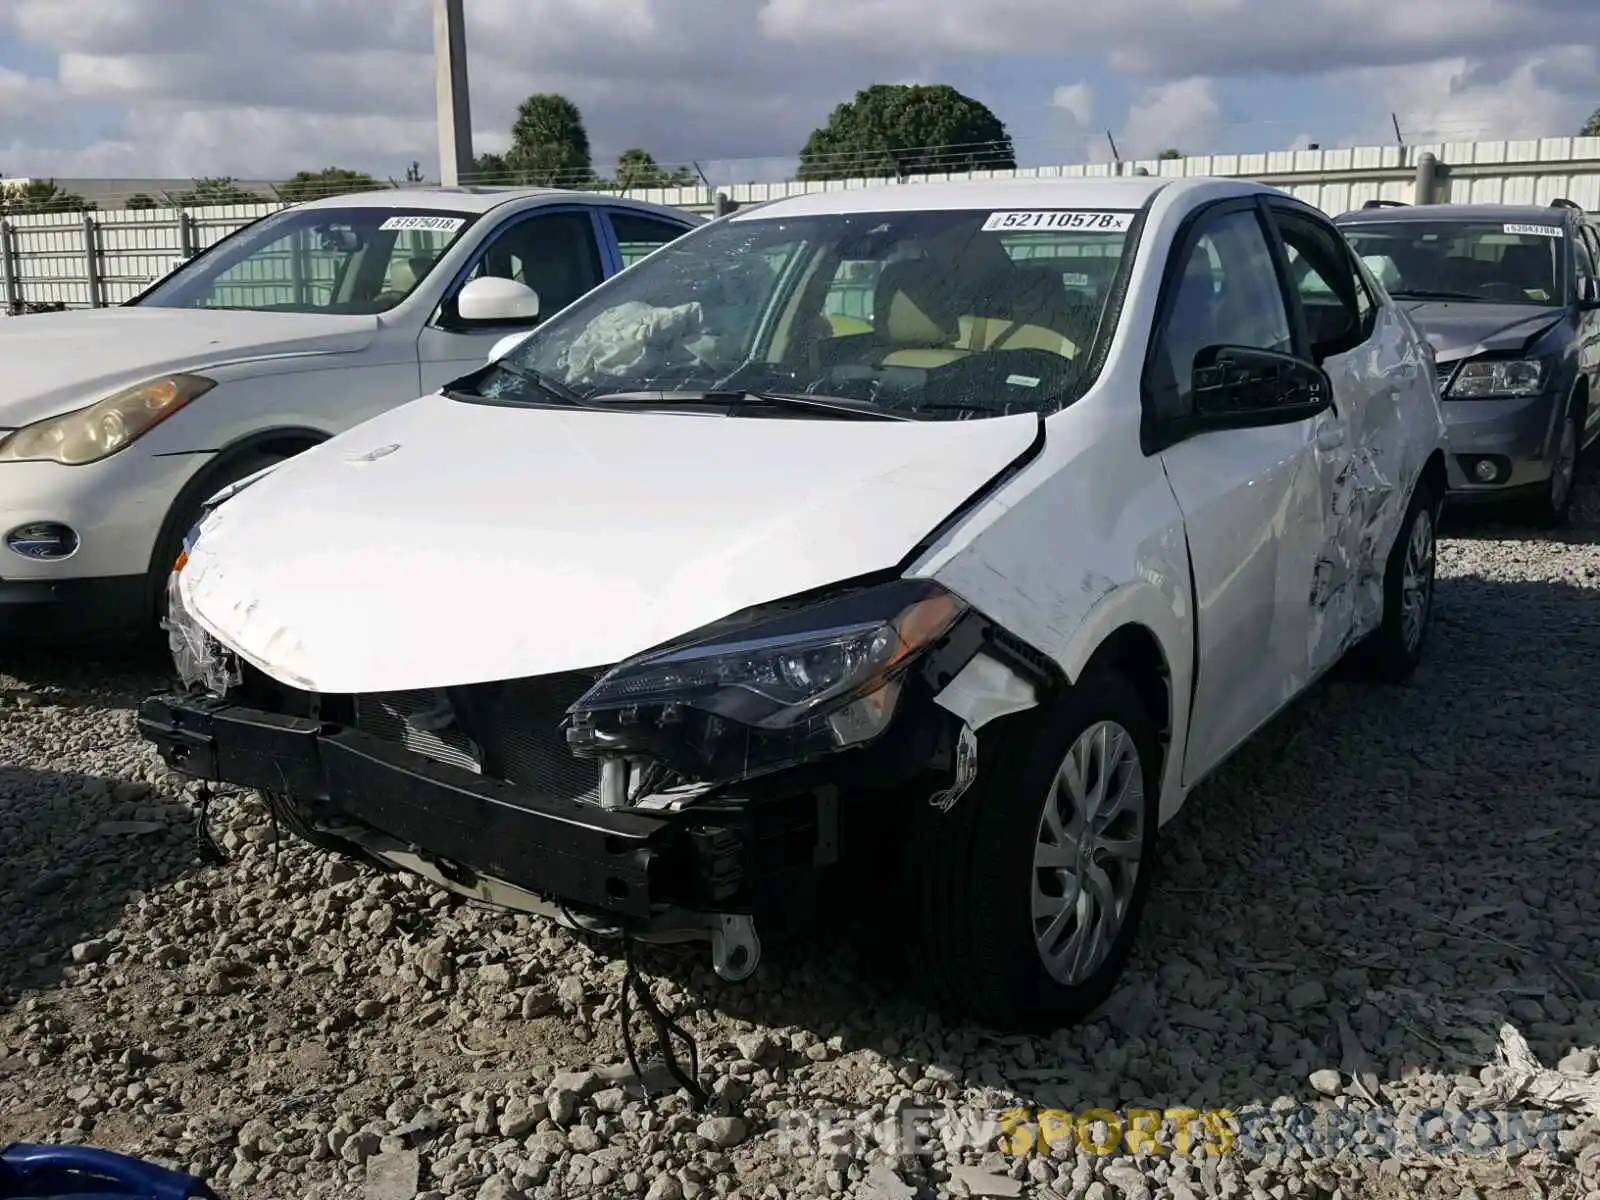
{"x": 1390, "y": 654}
{"x": 968, "y": 874}
{"x": 182, "y": 519}
{"x": 1553, "y": 508}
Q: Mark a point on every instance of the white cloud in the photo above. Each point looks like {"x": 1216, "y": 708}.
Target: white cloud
{"x": 264, "y": 87}
{"x": 1463, "y": 100}
{"x": 260, "y": 87}
{"x": 1201, "y": 37}
{"x": 1182, "y": 115}
{"x": 1076, "y": 100}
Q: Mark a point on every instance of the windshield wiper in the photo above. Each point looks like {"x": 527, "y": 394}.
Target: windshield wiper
{"x": 798, "y": 401}
{"x": 1424, "y": 294}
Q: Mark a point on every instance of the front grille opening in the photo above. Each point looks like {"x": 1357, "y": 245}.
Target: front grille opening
{"x": 522, "y": 724}
{"x": 510, "y": 730}
{"x": 413, "y": 720}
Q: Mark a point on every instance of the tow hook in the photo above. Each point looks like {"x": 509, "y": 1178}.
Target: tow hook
{"x": 735, "y": 949}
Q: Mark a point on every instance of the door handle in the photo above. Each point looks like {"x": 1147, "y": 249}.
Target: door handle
{"x": 1330, "y": 435}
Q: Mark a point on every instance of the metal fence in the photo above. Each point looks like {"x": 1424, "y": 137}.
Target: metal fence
{"x": 103, "y": 258}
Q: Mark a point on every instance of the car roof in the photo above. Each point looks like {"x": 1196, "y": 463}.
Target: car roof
{"x": 477, "y": 200}
{"x": 1525, "y": 214}
{"x": 1126, "y": 192}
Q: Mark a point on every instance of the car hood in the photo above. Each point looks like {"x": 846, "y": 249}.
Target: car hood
{"x": 56, "y": 362}
{"x": 1461, "y": 329}
{"x": 448, "y": 543}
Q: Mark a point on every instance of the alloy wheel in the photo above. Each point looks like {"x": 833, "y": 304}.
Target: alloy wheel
{"x": 1416, "y": 583}
{"x": 1564, "y": 469}
{"x": 1087, "y": 853}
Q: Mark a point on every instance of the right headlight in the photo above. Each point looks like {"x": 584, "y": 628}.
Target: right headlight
{"x": 106, "y": 426}
{"x": 1485, "y": 379}
{"x": 770, "y": 694}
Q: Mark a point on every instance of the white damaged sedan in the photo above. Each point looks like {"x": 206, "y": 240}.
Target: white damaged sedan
{"x": 927, "y": 544}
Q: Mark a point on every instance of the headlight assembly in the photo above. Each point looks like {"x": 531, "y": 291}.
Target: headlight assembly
{"x": 827, "y": 677}
{"x": 108, "y": 425}
{"x": 1497, "y": 379}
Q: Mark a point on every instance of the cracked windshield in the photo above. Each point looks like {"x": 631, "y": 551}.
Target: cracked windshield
{"x": 911, "y": 315}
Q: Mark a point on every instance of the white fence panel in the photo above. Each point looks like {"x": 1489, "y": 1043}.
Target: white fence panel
{"x": 106, "y": 257}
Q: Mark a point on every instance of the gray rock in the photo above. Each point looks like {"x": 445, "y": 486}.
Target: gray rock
{"x": 978, "y": 1181}
{"x": 392, "y": 1176}
{"x": 498, "y": 1187}
{"x": 722, "y": 1131}
{"x": 563, "y": 1106}
{"x": 1328, "y": 1082}
{"x": 610, "y": 1100}
{"x": 1306, "y": 995}
{"x": 92, "y": 952}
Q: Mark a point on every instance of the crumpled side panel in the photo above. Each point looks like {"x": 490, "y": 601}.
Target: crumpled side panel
{"x": 627, "y": 340}
{"x": 1385, "y": 401}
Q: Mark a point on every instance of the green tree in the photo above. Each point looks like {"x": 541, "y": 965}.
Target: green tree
{"x": 1591, "y": 127}
{"x": 492, "y": 170}
{"x": 330, "y": 181}
{"x": 221, "y": 189}
{"x": 141, "y": 200}
{"x": 1169, "y": 152}
{"x": 893, "y": 129}
{"x": 638, "y": 168}
{"x": 39, "y": 196}
{"x": 549, "y": 145}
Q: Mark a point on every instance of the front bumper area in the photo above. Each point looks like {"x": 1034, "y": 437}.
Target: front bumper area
{"x": 74, "y": 610}
{"x": 1513, "y": 434}
{"x": 632, "y": 868}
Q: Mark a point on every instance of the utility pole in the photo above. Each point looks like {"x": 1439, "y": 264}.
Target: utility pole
{"x": 456, "y": 163}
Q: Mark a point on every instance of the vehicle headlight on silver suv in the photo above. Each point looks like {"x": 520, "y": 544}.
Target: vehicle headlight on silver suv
{"x": 106, "y": 426}
{"x": 826, "y": 677}
{"x": 1496, "y": 379}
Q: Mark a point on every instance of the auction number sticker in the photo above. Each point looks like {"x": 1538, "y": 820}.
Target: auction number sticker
{"x": 1052, "y": 219}
{"x": 431, "y": 224}
{"x": 1554, "y": 231}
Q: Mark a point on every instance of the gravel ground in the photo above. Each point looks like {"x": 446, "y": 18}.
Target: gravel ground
{"x": 1349, "y": 917}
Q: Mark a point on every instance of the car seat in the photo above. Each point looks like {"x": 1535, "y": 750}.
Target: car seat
{"x": 1015, "y": 307}
{"x": 914, "y": 314}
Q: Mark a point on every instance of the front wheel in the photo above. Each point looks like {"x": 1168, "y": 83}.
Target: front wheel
{"x": 1026, "y": 895}
{"x": 1393, "y": 651}
{"x": 1554, "y": 506}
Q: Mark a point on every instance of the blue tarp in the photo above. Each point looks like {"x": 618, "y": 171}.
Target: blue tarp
{"x": 40, "y": 1172}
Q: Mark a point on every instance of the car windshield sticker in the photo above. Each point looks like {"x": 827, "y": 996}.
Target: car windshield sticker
{"x": 1052, "y": 219}
{"x": 439, "y": 224}
{"x": 1554, "y": 231}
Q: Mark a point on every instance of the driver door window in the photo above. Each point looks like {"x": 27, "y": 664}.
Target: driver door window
{"x": 1334, "y": 301}
{"x": 555, "y": 254}
{"x": 1227, "y": 294}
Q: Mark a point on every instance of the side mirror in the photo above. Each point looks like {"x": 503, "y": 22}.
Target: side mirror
{"x": 507, "y": 344}
{"x": 490, "y": 300}
{"x": 1237, "y": 387}
{"x": 1589, "y": 294}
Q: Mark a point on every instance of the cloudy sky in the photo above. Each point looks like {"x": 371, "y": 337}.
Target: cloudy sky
{"x": 262, "y": 88}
